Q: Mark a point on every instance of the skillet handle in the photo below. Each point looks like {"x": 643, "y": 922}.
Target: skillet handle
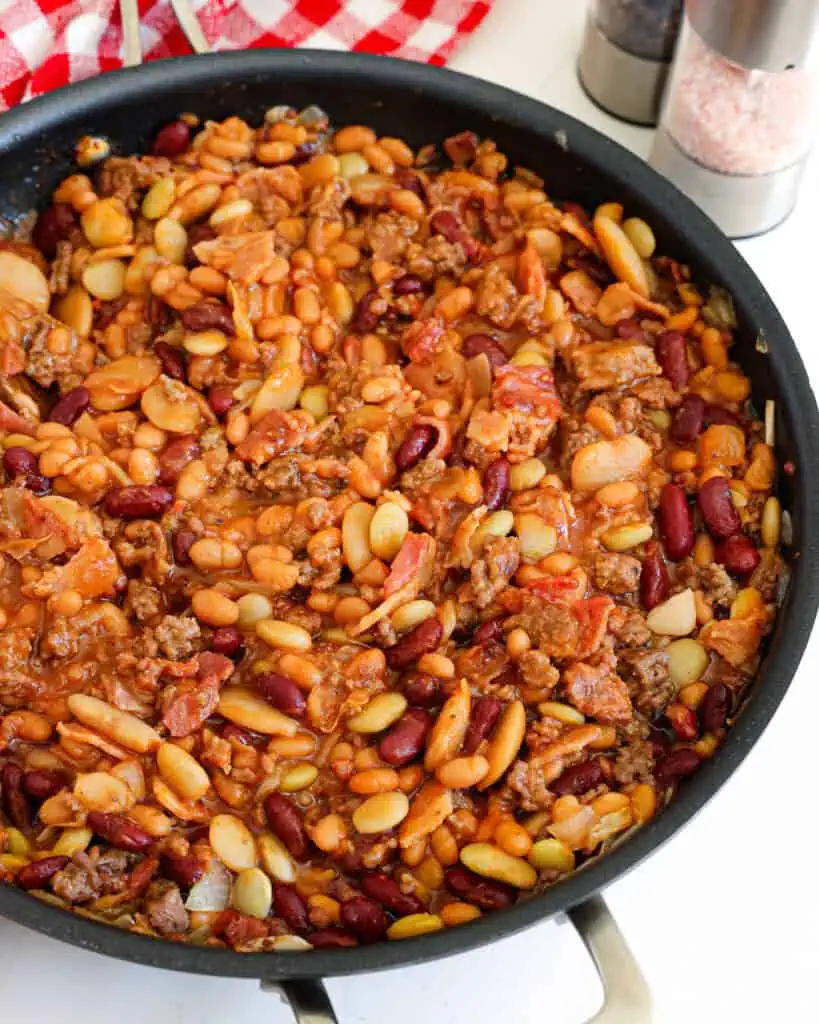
{"x": 626, "y": 995}
{"x": 307, "y": 999}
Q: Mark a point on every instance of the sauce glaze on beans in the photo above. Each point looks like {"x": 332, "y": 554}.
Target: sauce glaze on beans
{"x": 234, "y": 700}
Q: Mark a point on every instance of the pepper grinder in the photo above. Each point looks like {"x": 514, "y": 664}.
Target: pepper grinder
{"x": 626, "y": 54}
{"x": 740, "y": 110}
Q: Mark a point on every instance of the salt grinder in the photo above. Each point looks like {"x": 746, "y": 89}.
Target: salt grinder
{"x": 626, "y": 53}
{"x": 740, "y": 110}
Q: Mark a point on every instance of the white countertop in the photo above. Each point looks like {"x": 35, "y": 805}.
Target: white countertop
{"x": 723, "y": 920}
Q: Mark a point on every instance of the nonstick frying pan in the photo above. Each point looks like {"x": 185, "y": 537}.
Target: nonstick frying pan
{"x": 426, "y": 104}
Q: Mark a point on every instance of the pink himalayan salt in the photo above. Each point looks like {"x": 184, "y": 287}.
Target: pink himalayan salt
{"x": 737, "y": 121}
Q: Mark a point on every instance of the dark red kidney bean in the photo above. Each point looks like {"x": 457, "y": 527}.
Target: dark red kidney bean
{"x": 184, "y": 869}
{"x": 54, "y": 225}
{"x": 653, "y": 580}
{"x": 172, "y": 139}
{"x": 689, "y": 420}
{"x": 119, "y": 832}
{"x": 282, "y": 693}
{"x": 19, "y": 461}
{"x": 482, "y": 344}
{"x": 579, "y": 778}
{"x": 419, "y": 442}
{"x": 220, "y": 398}
{"x": 286, "y": 822}
{"x": 332, "y": 938}
{"x": 483, "y": 892}
{"x": 676, "y": 522}
{"x": 715, "y": 707}
{"x": 715, "y": 415}
{"x": 683, "y": 721}
{"x": 421, "y": 640}
{"x": 13, "y": 799}
{"x": 44, "y": 782}
{"x": 70, "y": 407}
{"x": 304, "y": 151}
{"x": 676, "y": 765}
{"x": 717, "y": 507}
{"x": 409, "y": 284}
{"x": 405, "y": 740}
{"x": 738, "y": 555}
{"x": 290, "y": 906}
{"x": 389, "y": 893}
{"x": 36, "y": 483}
{"x": 445, "y": 223}
{"x": 197, "y": 233}
{"x": 138, "y": 502}
{"x": 175, "y": 456}
{"x": 157, "y": 314}
{"x": 232, "y": 732}
{"x": 226, "y": 640}
{"x": 35, "y": 876}
{"x": 364, "y": 918}
{"x": 630, "y": 329}
{"x": 409, "y": 180}
{"x": 173, "y": 361}
{"x": 365, "y": 319}
{"x": 497, "y": 483}
{"x": 206, "y": 315}
{"x": 485, "y": 712}
{"x": 491, "y": 630}
{"x": 673, "y": 358}
{"x": 181, "y": 543}
{"x": 422, "y": 690}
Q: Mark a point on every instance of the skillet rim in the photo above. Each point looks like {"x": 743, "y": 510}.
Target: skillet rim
{"x": 695, "y": 234}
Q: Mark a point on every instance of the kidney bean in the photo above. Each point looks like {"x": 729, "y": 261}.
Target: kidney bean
{"x": 35, "y": 875}
{"x": 715, "y": 707}
{"x": 410, "y": 181}
{"x": 676, "y": 765}
{"x": 483, "y": 892}
{"x": 689, "y": 419}
{"x": 226, "y": 640}
{"x": 175, "y": 456}
{"x": 172, "y": 139}
{"x": 197, "y": 233}
{"x": 419, "y": 442}
{"x": 421, "y": 640}
{"x": 653, "y": 580}
{"x": 44, "y": 782}
{"x": 579, "y": 778}
{"x": 445, "y": 223}
{"x": 157, "y": 314}
{"x": 673, "y": 358}
{"x": 422, "y": 690}
{"x": 389, "y": 893}
{"x": 243, "y": 736}
{"x": 54, "y": 225}
{"x": 364, "y": 918}
{"x": 119, "y": 831}
{"x": 715, "y": 414}
{"x": 683, "y": 721}
{"x": 282, "y": 693}
{"x": 19, "y": 461}
{"x": 138, "y": 502}
{"x": 738, "y": 555}
{"x": 184, "y": 869}
{"x": 332, "y": 938}
{"x": 285, "y": 820}
{"x": 405, "y": 740}
{"x": 675, "y": 522}
{"x": 482, "y": 344}
{"x": 497, "y": 483}
{"x": 490, "y": 630}
{"x": 173, "y": 361}
{"x": 37, "y": 483}
{"x": 630, "y": 329}
{"x": 208, "y": 315}
{"x": 485, "y": 712}
{"x": 290, "y": 906}
{"x": 181, "y": 543}
{"x": 365, "y": 319}
{"x": 220, "y": 398}
{"x": 304, "y": 151}
{"x": 717, "y": 507}
{"x": 70, "y": 407}
{"x": 408, "y": 284}
{"x": 13, "y": 799}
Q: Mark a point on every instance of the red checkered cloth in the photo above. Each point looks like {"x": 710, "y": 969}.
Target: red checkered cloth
{"x": 46, "y": 43}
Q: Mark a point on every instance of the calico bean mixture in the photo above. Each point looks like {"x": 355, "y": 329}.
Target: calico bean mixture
{"x": 380, "y": 537}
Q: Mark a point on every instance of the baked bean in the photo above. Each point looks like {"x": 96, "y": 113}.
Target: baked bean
{"x": 578, "y": 778}
{"x": 676, "y": 522}
{"x": 13, "y": 799}
{"x": 422, "y": 640}
{"x": 717, "y": 507}
{"x": 364, "y": 918}
{"x": 496, "y": 484}
{"x": 70, "y": 407}
{"x": 286, "y": 822}
{"x": 485, "y": 714}
{"x": 35, "y": 876}
{"x": 117, "y": 830}
{"x": 389, "y": 893}
{"x": 738, "y": 555}
{"x": 282, "y": 693}
{"x": 653, "y": 580}
{"x": 289, "y": 905}
{"x": 175, "y": 456}
{"x": 138, "y": 502}
{"x": 483, "y": 892}
{"x": 173, "y": 361}
{"x": 405, "y": 740}
{"x": 689, "y": 420}
{"x": 416, "y": 445}
{"x": 672, "y": 356}
{"x": 715, "y": 707}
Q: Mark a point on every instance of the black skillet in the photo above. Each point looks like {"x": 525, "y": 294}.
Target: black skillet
{"x": 425, "y": 104}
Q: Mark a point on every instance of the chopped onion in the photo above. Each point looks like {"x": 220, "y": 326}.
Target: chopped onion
{"x": 212, "y": 891}
{"x": 573, "y": 831}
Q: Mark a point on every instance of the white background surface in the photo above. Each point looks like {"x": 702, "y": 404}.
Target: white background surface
{"x": 724, "y": 920}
